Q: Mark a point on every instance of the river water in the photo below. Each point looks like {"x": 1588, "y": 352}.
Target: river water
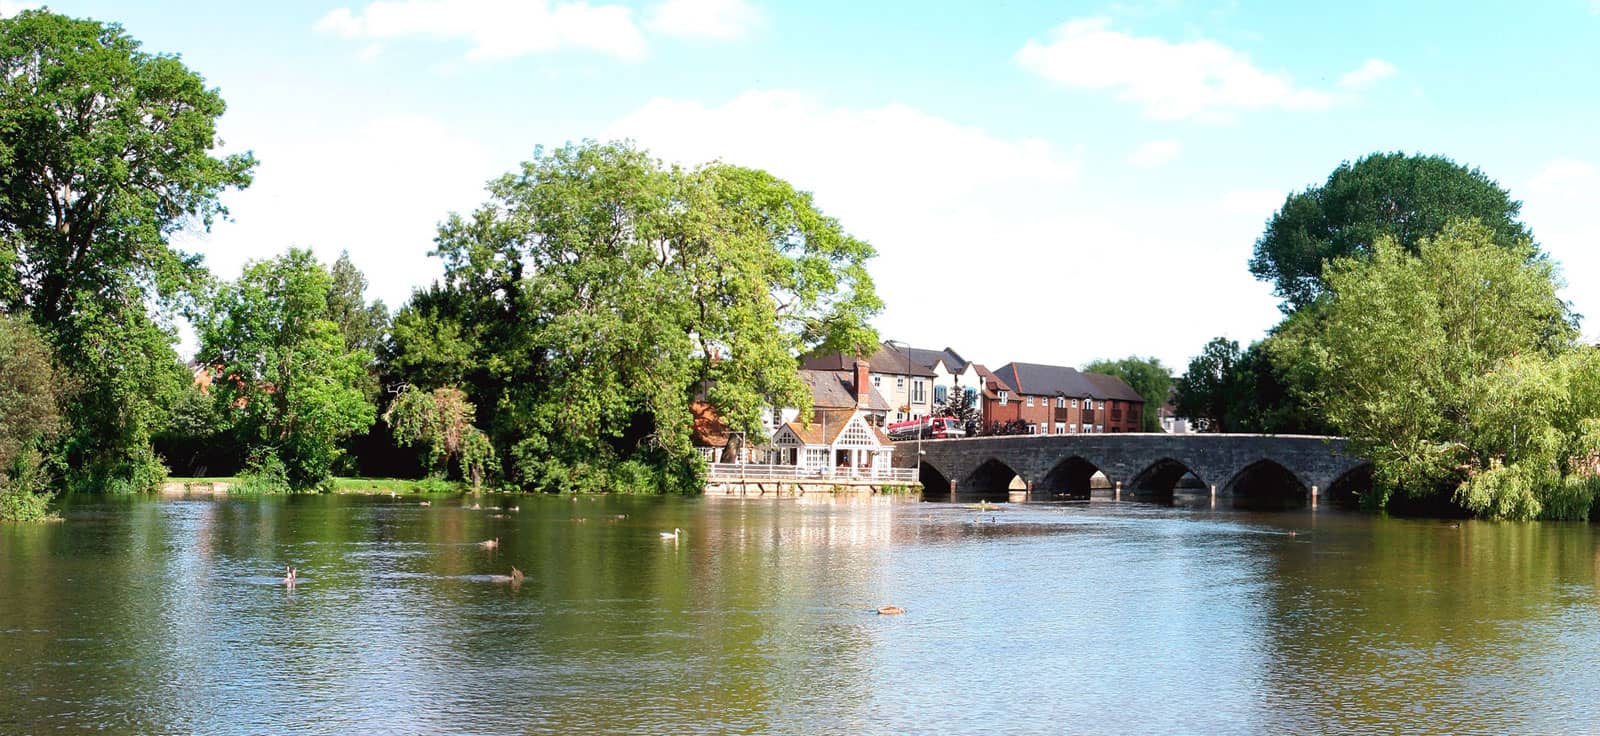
{"x": 145, "y": 616}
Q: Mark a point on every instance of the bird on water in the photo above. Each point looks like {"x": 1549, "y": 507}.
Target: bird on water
{"x": 672, "y": 534}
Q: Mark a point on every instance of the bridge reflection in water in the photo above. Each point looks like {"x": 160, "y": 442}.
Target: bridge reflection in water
{"x": 1243, "y": 469}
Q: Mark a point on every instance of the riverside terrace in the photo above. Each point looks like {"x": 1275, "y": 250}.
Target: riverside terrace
{"x": 1240, "y": 466}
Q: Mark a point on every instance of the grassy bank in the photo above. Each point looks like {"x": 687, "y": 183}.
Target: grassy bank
{"x": 374, "y": 486}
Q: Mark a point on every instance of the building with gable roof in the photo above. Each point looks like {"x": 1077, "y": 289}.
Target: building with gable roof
{"x": 1054, "y": 399}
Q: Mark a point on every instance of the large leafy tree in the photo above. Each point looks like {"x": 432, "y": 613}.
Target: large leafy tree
{"x": 1147, "y": 376}
{"x": 293, "y": 387}
{"x": 1443, "y": 368}
{"x": 599, "y": 292}
{"x": 1406, "y": 198}
{"x": 1207, "y": 393}
{"x": 105, "y": 152}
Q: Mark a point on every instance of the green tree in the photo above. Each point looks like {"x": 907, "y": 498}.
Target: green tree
{"x": 1407, "y": 198}
{"x": 105, "y": 152}
{"x": 30, "y": 415}
{"x": 1443, "y": 369}
{"x": 1207, "y": 393}
{"x": 294, "y": 388}
{"x": 442, "y": 421}
{"x": 364, "y": 324}
{"x": 1147, "y": 376}
{"x": 600, "y": 291}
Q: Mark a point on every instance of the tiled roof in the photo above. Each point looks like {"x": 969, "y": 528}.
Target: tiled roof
{"x": 887, "y": 360}
{"x": 836, "y": 390}
{"x": 826, "y": 426}
{"x": 1053, "y": 380}
{"x": 991, "y": 382}
{"x": 953, "y": 362}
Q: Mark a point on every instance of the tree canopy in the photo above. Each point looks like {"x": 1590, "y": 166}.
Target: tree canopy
{"x": 1443, "y": 369}
{"x": 1407, "y": 198}
{"x": 293, "y": 388}
{"x": 600, "y": 291}
{"x": 105, "y": 152}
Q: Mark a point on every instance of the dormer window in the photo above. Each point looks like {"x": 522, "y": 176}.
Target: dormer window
{"x": 1002, "y": 398}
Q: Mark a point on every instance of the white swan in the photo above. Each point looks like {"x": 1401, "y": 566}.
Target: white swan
{"x": 672, "y": 534}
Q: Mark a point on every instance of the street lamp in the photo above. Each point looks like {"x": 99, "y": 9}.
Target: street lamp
{"x": 905, "y": 350}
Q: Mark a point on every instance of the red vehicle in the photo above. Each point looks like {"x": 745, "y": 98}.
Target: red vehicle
{"x": 935, "y": 428}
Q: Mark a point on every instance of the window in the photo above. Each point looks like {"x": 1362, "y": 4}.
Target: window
{"x": 1042, "y": 428}
{"x": 1102, "y": 406}
{"x": 1074, "y": 427}
{"x": 1030, "y": 402}
{"x": 941, "y": 394}
{"x": 877, "y": 380}
{"x": 1002, "y": 398}
{"x": 1101, "y": 428}
{"x": 1061, "y": 428}
{"x": 900, "y": 383}
{"x": 1061, "y": 402}
{"x": 919, "y": 391}
{"x": 1074, "y": 403}
{"x": 972, "y": 394}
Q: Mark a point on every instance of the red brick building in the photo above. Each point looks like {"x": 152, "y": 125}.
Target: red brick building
{"x": 1059, "y": 400}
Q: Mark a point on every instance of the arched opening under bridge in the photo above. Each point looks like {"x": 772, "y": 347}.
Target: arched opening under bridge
{"x": 1265, "y": 484}
{"x": 1347, "y": 489}
{"x": 992, "y": 479}
{"x": 1074, "y": 478}
{"x": 1166, "y": 477}
{"x": 934, "y": 482}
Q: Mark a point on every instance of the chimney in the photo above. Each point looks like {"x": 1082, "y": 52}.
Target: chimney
{"x": 863, "y": 383}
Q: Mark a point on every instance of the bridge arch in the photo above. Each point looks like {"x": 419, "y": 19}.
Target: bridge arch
{"x": 1349, "y": 487}
{"x": 1162, "y": 476}
{"x": 992, "y": 477}
{"x": 934, "y": 481}
{"x": 1267, "y": 482}
{"x": 1072, "y": 477}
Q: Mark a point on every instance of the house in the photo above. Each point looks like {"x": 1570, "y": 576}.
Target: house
{"x": 1061, "y": 400}
{"x": 906, "y": 383}
{"x": 993, "y": 391}
{"x": 834, "y": 443}
{"x": 1171, "y": 423}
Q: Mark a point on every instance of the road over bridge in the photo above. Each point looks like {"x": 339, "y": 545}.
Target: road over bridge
{"x": 1055, "y": 466}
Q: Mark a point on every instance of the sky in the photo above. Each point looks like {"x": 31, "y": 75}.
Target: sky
{"x": 1047, "y": 182}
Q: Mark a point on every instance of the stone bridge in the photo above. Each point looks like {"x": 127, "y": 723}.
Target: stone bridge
{"x": 1056, "y": 466}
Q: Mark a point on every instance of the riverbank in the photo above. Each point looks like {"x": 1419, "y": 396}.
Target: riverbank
{"x": 225, "y": 485}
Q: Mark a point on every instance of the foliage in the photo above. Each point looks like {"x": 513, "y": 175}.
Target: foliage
{"x": 1147, "y": 376}
{"x": 264, "y": 473}
{"x": 1208, "y": 392}
{"x": 30, "y": 415}
{"x": 292, "y": 388}
{"x": 364, "y": 325}
{"x": 1444, "y": 370}
{"x": 442, "y": 421}
{"x": 1014, "y": 426}
{"x": 600, "y": 291}
{"x": 1407, "y": 198}
{"x": 961, "y": 405}
{"x": 105, "y": 152}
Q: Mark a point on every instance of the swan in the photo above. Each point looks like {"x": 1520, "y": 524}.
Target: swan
{"x": 672, "y": 534}
{"x": 515, "y": 578}
{"x": 890, "y": 610}
{"x": 490, "y": 543}
{"x": 425, "y": 503}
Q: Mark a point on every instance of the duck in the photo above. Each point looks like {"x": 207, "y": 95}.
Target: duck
{"x": 490, "y": 543}
{"x": 425, "y": 503}
{"x": 515, "y": 578}
{"x": 672, "y": 534}
{"x": 890, "y": 610}
{"x": 289, "y": 575}
{"x": 514, "y": 508}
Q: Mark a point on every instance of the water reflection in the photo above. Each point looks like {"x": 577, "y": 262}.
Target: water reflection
{"x": 140, "y": 616}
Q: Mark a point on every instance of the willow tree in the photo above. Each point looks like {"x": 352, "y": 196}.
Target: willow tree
{"x": 1453, "y": 372}
{"x": 600, "y": 291}
{"x": 105, "y": 153}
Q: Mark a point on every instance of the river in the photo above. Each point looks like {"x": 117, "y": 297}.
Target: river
{"x": 170, "y": 616}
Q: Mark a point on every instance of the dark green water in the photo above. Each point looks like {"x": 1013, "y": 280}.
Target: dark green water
{"x": 169, "y": 617}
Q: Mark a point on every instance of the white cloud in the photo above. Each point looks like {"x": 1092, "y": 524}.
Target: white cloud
{"x": 1369, "y": 73}
{"x": 716, "y": 19}
{"x": 994, "y": 246}
{"x": 1170, "y": 81}
{"x": 1558, "y": 207}
{"x": 378, "y": 191}
{"x": 1155, "y": 153}
{"x": 10, "y": 8}
{"x": 497, "y": 29}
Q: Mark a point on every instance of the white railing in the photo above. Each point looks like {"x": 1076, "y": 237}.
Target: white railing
{"x": 747, "y": 471}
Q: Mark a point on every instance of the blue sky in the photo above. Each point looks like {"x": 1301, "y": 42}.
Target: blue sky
{"x": 1044, "y": 181}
